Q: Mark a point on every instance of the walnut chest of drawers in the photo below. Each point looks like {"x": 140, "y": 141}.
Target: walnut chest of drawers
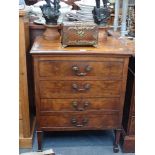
{"x": 79, "y": 88}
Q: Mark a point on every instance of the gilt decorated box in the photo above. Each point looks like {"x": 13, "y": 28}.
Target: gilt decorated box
{"x": 79, "y": 34}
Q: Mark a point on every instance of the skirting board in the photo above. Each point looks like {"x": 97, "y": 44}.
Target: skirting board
{"x": 28, "y": 141}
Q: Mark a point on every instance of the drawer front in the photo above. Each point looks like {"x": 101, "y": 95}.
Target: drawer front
{"x": 76, "y": 89}
{"x": 67, "y": 70}
{"x": 86, "y": 104}
{"x": 92, "y": 121}
{"x": 132, "y": 126}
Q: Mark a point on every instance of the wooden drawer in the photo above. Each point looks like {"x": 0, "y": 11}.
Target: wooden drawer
{"x": 76, "y": 89}
{"x": 132, "y": 126}
{"x": 82, "y": 121}
{"x": 50, "y": 105}
{"x": 83, "y": 70}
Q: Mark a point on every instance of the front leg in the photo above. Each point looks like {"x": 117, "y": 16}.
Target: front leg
{"x": 39, "y": 139}
{"x": 117, "y": 139}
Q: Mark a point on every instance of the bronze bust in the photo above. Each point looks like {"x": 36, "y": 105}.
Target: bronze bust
{"x": 51, "y": 13}
{"x": 101, "y": 14}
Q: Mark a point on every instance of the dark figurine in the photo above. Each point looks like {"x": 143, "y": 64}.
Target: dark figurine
{"x": 51, "y": 13}
{"x": 101, "y": 14}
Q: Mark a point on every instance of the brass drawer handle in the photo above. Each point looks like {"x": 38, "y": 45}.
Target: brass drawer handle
{"x": 77, "y": 71}
{"x": 77, "y": 124}
{"x": 76, "y": 105}
{"x": 86, "y": 87}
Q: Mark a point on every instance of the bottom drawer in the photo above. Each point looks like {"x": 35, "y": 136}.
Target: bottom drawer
{"x": 76, "y": 121}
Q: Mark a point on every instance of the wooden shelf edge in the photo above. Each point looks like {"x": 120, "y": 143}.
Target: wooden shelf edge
{"x": 28, "y": 141}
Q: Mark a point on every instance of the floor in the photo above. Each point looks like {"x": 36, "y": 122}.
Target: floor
{"x": 78, "y": 143}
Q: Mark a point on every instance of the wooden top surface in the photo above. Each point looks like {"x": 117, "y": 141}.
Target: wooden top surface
{"x": 111, "y": 46}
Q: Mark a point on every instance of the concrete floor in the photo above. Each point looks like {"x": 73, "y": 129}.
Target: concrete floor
{"x": 78, "y": 143}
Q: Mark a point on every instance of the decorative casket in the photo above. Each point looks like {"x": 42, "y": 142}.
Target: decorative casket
{"x": 79, "y": 34}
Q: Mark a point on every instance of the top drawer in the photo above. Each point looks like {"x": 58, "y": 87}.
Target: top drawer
{"x": 82, "y": 70}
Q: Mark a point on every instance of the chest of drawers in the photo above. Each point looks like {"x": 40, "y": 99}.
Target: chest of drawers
{"x": 79, "y": 88}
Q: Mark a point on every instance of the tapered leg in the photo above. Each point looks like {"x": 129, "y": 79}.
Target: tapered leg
{"x": 39, "y": 138}
{"x": 116, "y": 142}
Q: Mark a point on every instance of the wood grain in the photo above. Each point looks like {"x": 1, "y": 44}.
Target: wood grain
{"x": 111, "y": 46}
{"x": 129, "y": 144}
{"x": 28, "y": 141}
{"x": 64, "y": 89}
{"x": 83, "y": 104}
{"x": 26, "y": 122}
{"x": 59, "y": 70}
{"x": 23, "y": 74}
{"x": 128, "y": 123}
{"x": 61, "y": 92}
{"x": 95, "y": 121}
